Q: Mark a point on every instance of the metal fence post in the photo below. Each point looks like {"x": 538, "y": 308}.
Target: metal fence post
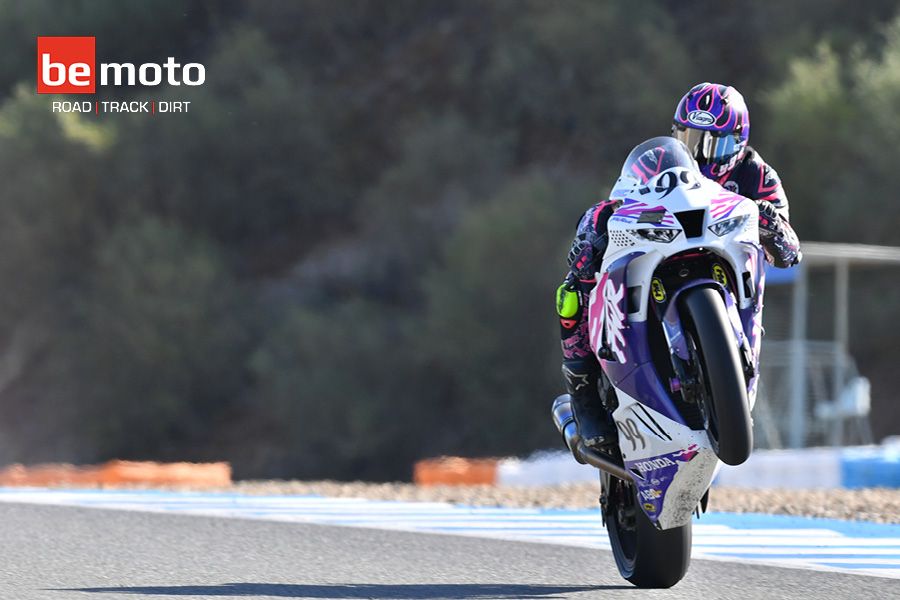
{"x": 841, "y": 318}
{"x": 797, "y": 433}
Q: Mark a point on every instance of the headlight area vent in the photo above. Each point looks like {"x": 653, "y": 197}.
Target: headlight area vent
{"x": 692, "y": 222}
{"x": 620, "y": 238}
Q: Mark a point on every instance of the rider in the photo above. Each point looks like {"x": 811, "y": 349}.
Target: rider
{"x": 713, "y": 122}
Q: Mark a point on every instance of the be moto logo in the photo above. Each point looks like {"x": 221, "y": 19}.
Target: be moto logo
{"x": 68, "y": 65}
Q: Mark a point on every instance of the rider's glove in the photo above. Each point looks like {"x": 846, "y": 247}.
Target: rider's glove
{"x": 586, "y": 253}
{"x": 777, "y": 237}
{"x": 768, "y": 218}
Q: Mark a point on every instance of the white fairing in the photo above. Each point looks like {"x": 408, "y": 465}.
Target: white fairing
{"x": 681, "y": 461}
{"x": 692, "y": 478}
{"x": 738, "y": 247}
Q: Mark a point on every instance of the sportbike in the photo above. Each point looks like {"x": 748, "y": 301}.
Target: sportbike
{"x": 675, "y": 321}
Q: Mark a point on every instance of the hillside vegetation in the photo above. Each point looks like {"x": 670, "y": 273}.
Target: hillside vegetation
{"x": 343, "y": 257}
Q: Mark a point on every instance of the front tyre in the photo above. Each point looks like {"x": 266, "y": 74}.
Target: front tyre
{"x": 721, "y": 385}
{"x": 645, "y": 556}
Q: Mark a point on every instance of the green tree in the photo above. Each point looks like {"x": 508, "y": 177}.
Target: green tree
{"x": 49, "y": 216}
{"x": 835, "y": 136}
{"x": 490, "y": 337}
{"x": 576, "y": 84}
{"x": 444, "y": 169}
{"x": 162, "y": 332}
{"x": 251, "y": 164}
{"x": 832, "y": 130}
{"x": 333, "y": 395}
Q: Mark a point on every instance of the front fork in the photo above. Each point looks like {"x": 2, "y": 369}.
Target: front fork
{"x": 685, "y": 381}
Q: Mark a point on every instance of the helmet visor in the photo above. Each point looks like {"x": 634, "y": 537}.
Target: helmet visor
{"x": 708, "y": 147}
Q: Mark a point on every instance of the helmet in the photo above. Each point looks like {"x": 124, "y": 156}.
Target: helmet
{"x": 713, "y": 122}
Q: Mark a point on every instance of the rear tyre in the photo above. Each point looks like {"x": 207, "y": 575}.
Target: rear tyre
{"x": 723, "y": 390}
{"x": 645, "y": 556}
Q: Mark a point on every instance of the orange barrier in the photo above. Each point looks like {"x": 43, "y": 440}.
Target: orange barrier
{"x": 49, "y": 474}
{"x": 117, "y": 473}
{"x": 449, "y": 470}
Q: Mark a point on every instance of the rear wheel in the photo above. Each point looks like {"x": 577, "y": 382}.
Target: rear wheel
{"x": 645, "y": 556}
{"x": 721, "y": 388}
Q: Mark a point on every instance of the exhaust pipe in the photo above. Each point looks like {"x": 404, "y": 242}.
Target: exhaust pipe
{"x": 564, "y": 419}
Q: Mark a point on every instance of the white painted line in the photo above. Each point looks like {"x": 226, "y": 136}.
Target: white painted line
{"x": 780, "y": 541}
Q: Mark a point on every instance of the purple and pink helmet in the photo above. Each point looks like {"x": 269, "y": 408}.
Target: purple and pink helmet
{"x": 713, "y": 122}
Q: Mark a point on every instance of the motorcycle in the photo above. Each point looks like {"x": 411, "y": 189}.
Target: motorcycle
{"x": 675, "y": 321}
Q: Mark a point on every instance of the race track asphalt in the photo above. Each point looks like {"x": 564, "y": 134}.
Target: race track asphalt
{"x": 59, "y": 552}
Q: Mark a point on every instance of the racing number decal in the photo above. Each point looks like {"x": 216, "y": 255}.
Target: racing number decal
{"x": 666, "y": 183}
{"x": 719, "y": 276}
{"x": 630, "y": 430}
{"x": 657, "y": 290}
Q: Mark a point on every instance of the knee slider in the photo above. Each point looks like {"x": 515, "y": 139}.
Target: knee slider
{"x": 567, "y": 302}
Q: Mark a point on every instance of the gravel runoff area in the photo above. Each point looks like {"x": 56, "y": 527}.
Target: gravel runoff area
{"x": 876, "y": 505}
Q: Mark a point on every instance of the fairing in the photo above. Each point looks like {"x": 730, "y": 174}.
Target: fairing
{"x": 673, "y": 464}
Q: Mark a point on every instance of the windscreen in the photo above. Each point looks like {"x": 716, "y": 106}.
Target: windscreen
{"x": 654, "y": 156}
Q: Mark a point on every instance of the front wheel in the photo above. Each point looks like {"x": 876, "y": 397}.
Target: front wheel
{"x": 721, "y": 385}
{"x": 645, "y": 556}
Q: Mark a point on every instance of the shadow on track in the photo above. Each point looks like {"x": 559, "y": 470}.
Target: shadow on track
{"x": 457, "y": 591}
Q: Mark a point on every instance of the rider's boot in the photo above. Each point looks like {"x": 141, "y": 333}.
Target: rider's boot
{"x": 594, "y": 425}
